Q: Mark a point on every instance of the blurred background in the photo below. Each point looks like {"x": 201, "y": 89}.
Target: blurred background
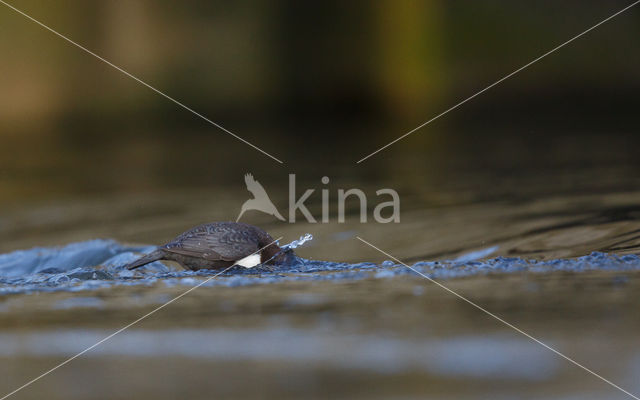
{"x": 318, "y": 86}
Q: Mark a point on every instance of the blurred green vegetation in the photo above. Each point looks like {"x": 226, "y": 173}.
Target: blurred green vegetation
{"x": 319, "y": 85}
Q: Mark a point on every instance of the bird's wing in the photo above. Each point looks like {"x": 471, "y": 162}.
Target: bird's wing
{"x": 255, "y": 187}
{"x": 214, "y": 243}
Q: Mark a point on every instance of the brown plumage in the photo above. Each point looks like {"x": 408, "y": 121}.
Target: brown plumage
{"x": 215, "y": 246}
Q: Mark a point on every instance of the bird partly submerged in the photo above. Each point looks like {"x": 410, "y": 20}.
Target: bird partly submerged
{"x": 219, "y": 245}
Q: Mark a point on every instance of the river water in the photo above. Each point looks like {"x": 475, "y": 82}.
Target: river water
{"x": 547, "y": 244}
{"x": 344, "y": 320}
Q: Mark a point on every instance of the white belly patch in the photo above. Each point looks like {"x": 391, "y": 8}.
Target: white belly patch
{"x": 249, "y": 261}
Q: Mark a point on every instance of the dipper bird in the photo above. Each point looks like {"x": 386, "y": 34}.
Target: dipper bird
{"x": 260, "y": 201}
{"x": 218, "y": 245}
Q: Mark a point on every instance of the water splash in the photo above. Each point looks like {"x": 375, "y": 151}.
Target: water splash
{"x": 476, "y": 255}
{"x": 99, "y": 263}
{"x": 297, "y": 243}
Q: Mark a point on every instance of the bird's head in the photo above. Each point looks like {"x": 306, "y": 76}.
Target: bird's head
{"x": 274, "y": 254}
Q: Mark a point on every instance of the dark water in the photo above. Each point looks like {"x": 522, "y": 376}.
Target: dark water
{"x": 553, "y": 249}
{"x": 343, "y": 320}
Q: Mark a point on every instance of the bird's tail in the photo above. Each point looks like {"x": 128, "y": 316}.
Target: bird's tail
{"x": 144, "y": 260}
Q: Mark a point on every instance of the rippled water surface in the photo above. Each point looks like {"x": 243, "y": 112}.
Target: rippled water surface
{"x": 343, "y": 320}
{"x": 99, "y": 264}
